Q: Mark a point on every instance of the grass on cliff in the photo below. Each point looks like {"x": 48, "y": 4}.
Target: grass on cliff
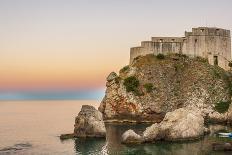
{"x": 131, "y": 83}
{"x": 222, "y": 106}
{"x": 149, "y": 87}
{"x": 124, "y": 69}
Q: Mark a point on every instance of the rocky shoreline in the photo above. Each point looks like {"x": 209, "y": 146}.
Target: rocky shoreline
{"x": 178, "y": 95}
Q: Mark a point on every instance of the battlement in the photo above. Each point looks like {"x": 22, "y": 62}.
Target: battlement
{"x": 167, "y": 39}
{"x": 210, "y": 31}
{"x": 211, "y": 43}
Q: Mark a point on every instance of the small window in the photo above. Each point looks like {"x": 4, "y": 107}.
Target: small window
{"x": 195, "y": 40}
{"x": 161, "y": 40}
{"x": 173, "y": 40}
{"x": 215, "y": 59}
{"x": 217, "y": 31}
{"x": 202, "y": 30}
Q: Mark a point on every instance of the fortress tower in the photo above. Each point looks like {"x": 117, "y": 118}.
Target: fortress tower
{"x": 211, "y": 43}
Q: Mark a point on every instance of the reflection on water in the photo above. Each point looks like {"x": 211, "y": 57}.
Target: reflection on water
{"x": 112, "y": 145}
{"x": 33, "y": 127}
{"x": 90, "y": 146}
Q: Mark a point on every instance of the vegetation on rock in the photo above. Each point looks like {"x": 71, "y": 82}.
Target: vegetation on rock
{"x": 149, "y": 87}
{"x": 222, "y": 106}
{"x": 230, "y": 64}
{"x": 124, "y": 69}
{"x": 160, "y": 56}
{"x": 131, "y": 83}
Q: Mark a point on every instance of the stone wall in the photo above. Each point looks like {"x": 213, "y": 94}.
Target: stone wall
{"x": 209, "y": 43}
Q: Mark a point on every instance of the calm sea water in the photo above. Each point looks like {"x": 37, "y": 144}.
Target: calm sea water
{"x": 33, "y": 127}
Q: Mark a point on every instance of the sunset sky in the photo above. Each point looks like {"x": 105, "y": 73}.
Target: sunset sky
{"x": 68, "y": 47}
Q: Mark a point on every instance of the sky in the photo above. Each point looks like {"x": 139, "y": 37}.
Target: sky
{"x": 66, "y": 48}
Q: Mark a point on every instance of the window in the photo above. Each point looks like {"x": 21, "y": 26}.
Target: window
{"x": 202, "y": 30}
{"x": 217, "y": 31}
{"x": 161, "y": 40}
{"x": 173, "y": 40}
{"x": 215, "y": 58}
{"x": 195, "y": 41}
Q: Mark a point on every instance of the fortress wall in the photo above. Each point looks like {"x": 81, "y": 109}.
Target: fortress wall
{"x": 161, "y": 47}
{"x": 167, "y": 45}
{"x": 202, "y": 41}
{"x": 167, "y": 39}
{"x": 171, "y": 47}
{"x": 148, "y": 47}
{"x": 205, "y": 31}
{"x": 218, "y": 43}
{"x": 209, "y": 42}
{"x": 184, "y": 47}
{"x": 135, "y": 52}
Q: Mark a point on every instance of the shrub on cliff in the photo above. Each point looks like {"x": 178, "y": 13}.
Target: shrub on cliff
{"x": 222, "y": 106}
{"x": 149, "y": 87}
{"x": 230, "y": 64}
{"x": 131, "y": 83}
{"x": 160, "y": 56}
{"x": 124, "y": 69}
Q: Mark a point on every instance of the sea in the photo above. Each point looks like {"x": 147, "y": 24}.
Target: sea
{"x": 34, "y": 127}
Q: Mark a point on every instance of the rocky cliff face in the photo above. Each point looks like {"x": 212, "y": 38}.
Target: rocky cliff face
{"x": 152, "y": 86}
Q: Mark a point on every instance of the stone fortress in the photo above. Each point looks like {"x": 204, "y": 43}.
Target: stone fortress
{"x": 211, "y": 43}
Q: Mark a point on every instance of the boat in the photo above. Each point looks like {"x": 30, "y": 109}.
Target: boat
{"x": 225, "y": 134}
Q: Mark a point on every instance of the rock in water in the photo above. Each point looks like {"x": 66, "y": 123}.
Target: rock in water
{"x": 181, "y": 124}
{"x": 89, "y": 123}
{"x": 152, "y": 133}
{"x": 222, "y": 146}
{"x": 130, "y": 137}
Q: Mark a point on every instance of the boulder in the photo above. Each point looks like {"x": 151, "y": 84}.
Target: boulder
{"x": 111, "y": 76}
{"x": 89, "y": 123}
{"x": 152, "y": 133}
{"x": 216, "y": 117}
{"x": 130, "y": 137}
{"x": 181, "y": 124}
{"x": 222, "y": 146}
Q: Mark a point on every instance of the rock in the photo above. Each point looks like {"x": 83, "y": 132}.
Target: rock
{"x": 130, "y": 137}
{"x": 152, "y": 133}
{"x": 89, "y": 123}
{"x": 179, "y": 83}
{"x": 229, "y": 115}
{"x": 66, "y": 136}
{"x": 206, "y": 131}
{"x": 222, "y": 146}
{"x": 181, "y": 124}
{"x": 214, "y": 128}
{"x": 216, "y": 117}
{"x": 111, "y": 76}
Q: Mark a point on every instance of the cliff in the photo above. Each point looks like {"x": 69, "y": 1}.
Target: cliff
{"x": 152, "y": 85}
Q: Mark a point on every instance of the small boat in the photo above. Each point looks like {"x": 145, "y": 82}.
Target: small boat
{"x": 225, "y": 134}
